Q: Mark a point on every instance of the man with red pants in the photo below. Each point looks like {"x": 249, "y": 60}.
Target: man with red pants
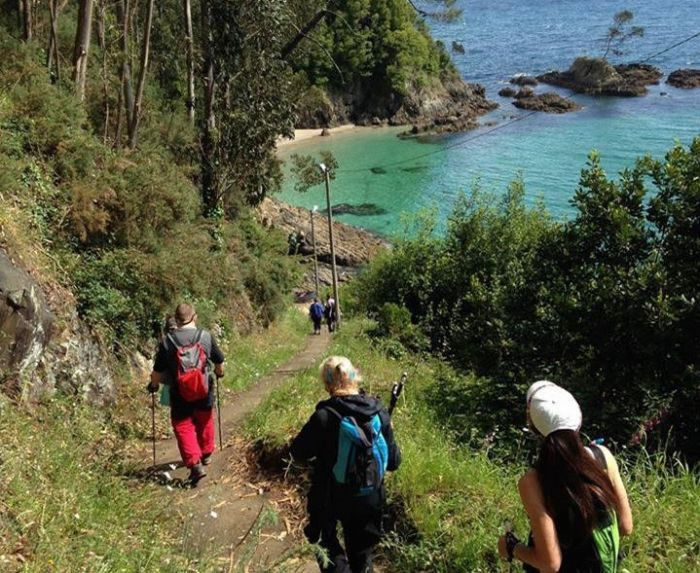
{"x": 192, "y": 421}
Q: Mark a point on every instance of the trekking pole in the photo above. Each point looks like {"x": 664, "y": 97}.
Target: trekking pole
{"x": 396, "y": 390}
{"x": 153, "y": 425}
{"x": 218, "y": 413}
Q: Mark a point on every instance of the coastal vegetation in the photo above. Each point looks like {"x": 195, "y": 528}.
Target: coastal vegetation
{"x": 451, "y": 497}
{"x": 123, "y": 194}
{"x": 605, "y": 302}
{"x": 366, "y": 61}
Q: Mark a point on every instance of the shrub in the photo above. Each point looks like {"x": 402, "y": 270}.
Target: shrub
{"x": 603, "y": 303}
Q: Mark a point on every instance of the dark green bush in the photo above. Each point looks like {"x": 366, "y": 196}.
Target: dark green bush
{"x": 605, "y": 304}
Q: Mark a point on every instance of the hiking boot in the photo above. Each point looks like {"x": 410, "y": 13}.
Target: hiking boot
{"x": 197, "y": 472}
{"x": 206, "y": 459}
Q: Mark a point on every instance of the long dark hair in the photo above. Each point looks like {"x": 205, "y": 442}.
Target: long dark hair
{"x": 576, "y": 489}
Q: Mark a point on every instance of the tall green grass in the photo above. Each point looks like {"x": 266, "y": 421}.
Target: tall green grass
{"x": 453, "y": 500}
{"x": 65, "y": 503}
{"x": 252, "y": 357}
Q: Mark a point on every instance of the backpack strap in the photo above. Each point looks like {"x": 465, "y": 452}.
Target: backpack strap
{"x": 334, "y": 412}
{"x": 171, "y": 338}
{"x": 599, "y": 456}
{"x": 361, "y": 431}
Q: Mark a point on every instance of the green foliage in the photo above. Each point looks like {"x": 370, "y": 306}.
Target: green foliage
{"x": 307, "y": 170}
{"x": 239, "y": 162}
{"x": 66, "y": 504}
{"x": 369, "y": 46}
{"x": 448, "y": 501}
{"x": 620, "y": 32}
{"x": 259, "y": 353}
{"x": 604, "y": 299}
{"x": 125, "y": 230}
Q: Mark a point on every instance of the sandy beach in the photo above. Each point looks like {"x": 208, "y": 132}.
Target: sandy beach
{"x": 307, "y": 134}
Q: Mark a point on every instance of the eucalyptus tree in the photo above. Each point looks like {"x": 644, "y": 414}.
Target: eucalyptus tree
{"x": 247, "y": 103}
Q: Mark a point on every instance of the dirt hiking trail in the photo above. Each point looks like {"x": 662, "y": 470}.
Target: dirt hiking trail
{"x": 221, "y": 516}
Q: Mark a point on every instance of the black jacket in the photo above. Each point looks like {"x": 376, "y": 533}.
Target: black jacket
{"x": 319, "y": 437}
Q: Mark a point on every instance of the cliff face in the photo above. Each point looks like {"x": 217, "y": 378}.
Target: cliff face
{"x": 444, "y": 102}
{"x": 42, "y": 351}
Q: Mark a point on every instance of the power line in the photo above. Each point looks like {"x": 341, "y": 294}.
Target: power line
{"x": 508, "y": 123}
{"x": 688, "y": 39}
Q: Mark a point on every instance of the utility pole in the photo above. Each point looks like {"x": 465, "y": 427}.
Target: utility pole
{"x": 313, "y": 242}
{"x": 334, "y": 271}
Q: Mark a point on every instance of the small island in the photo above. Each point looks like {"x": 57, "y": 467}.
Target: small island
{"x": 597, "y": 76}
{"x": 548, "y": 102}
{"x": 684, "y": 79}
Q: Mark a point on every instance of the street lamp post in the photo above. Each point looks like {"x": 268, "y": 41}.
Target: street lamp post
{"x": 334, "y": 271}
{"x": 313, "y": 242}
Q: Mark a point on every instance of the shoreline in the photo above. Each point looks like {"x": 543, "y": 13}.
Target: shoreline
{"x": 305, "y": 135}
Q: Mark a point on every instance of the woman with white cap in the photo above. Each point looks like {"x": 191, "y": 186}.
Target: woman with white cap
{"x": 574, "y": 496}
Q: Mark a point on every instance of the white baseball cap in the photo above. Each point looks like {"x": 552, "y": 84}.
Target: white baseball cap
{"x": 552, "y": 408}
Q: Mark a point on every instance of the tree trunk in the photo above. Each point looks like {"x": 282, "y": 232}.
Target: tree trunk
{"x": 145, "y": 52}
{"x": 209, "y": 194}
{"x": 82, "y": 46}
{"x": 126, "y": 94}
{"x": 27, "y": 20}
{"x": 305, "y": 31}
{"x": 190, "y": 60}
{"x": 105, "y": 77}
{"x": 52, "y": 57}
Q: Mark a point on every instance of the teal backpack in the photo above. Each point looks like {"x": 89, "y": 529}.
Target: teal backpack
{"x": 363, "y": 454}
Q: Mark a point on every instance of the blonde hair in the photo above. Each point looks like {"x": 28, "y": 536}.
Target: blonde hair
{"x": 339, "y": 376}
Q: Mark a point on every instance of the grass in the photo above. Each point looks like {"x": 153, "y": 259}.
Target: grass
{"x": 452, "y": 500}
{"x": 65, "y": 504}
{"x": 252, "y": 357}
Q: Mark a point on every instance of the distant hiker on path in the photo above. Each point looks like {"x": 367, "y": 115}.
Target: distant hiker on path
{"x": 574, "y": 496}
{"x": 316, "y": 315}
{"x": 330, "y": 311}
{"x": 182, "y": 359}
{"x": 351, "y": 439}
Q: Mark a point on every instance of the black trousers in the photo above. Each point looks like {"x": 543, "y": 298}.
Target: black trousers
{"x": 361, "y": 521}
{"x": 317, "y": 324}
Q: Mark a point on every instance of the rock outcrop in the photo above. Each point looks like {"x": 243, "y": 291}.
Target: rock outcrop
{"x": 524, "y": 80}
{"x": 507, "y": 92}
{"x": 596, "y": 76}
{"x": 449, "y": 105}
{"x": 524, "y": 92}
{"x": 42, "y": 351}
{"x": 685, "y": 79}
{"x": 354, "y": 247}
{"x": 547, "y": 102}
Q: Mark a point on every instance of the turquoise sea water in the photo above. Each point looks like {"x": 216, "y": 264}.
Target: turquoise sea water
{"x": 504, "y": 38}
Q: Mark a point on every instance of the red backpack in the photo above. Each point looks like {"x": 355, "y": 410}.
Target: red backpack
{"x": 191, "y": 360}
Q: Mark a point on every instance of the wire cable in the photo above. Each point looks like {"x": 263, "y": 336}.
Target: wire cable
{"x": 508, "y": 123}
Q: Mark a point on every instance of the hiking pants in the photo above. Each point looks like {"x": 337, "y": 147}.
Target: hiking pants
{"x": 195, "y": 435}
{"x": 317, "y": 324}
{"x": 361, "y": 522}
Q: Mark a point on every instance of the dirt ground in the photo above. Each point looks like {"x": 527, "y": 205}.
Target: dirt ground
{"x": 225, "y": 515}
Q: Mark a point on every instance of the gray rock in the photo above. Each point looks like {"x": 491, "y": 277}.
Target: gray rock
{"x": 507, "y": 92}
{"x": 40, "y": 353}
{"x": 524, "y": 80}
{"x": 25, "y": 325}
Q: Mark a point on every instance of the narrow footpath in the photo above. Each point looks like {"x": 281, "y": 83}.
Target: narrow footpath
{"x": 220, "y": 516}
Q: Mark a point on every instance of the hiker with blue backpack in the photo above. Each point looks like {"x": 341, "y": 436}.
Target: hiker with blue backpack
{"x": 182, "y": 360}
{"x": 574, "y": 496}
{"x": 316, "y": 315}
{"x": 351, "y": 441}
